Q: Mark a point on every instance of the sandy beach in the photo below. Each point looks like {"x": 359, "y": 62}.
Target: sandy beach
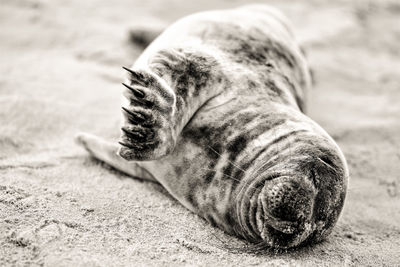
{"x": 60, "y": 74}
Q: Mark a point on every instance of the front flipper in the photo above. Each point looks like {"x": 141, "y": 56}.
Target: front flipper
{"x": 148, "y": 130}
{"x": 107, "y": 152}
{"x": 163, "y": 97}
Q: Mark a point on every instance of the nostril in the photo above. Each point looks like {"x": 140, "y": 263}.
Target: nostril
{"x": 287, "y": 204}
{"x": 288, "y": 201}
{"x": 285, "y": 207}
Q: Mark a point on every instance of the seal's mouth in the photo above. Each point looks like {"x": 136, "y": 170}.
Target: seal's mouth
{"x": 284, "y": 211}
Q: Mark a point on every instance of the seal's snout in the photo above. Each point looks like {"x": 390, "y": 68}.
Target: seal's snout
{"x": 287, "y": 207}
{"x": 288, "y": 200}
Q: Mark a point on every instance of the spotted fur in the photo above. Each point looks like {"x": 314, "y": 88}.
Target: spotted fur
{"x": 213, "y": 112}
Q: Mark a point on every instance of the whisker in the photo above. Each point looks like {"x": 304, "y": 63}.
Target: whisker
{"x": 269, "y": 161}
{"x": 227, "y": 160}
{"x": 233, "y": 178}
{"x": 246, "y": 184}
{"x": 326, "y": 164}
{"x": 275, "y": 138}
{"x": 249, "y": 181}
{"x": 219, "y": 171}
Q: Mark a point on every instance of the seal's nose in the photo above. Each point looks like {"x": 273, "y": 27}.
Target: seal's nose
{"x": 288, "y": 200}
{"x": 287, "y": 208}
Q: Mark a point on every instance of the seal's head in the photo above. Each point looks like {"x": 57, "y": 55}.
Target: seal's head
{"x": 291, "y": 201}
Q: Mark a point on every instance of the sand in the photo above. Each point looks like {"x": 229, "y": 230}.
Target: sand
{"x": 60, "y": 74}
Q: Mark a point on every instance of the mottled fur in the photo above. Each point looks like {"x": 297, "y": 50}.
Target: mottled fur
{"x": 214, "y": 108}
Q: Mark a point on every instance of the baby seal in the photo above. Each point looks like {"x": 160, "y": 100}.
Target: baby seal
{"x": 213, "y": 111}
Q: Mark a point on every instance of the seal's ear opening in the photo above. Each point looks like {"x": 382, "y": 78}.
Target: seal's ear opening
{"x": 285, "y": 210}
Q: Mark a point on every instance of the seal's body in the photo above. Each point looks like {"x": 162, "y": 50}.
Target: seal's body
{"x": 213, "y": 111}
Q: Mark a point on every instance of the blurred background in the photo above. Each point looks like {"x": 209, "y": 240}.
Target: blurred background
{"x": 60, "y": 73}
